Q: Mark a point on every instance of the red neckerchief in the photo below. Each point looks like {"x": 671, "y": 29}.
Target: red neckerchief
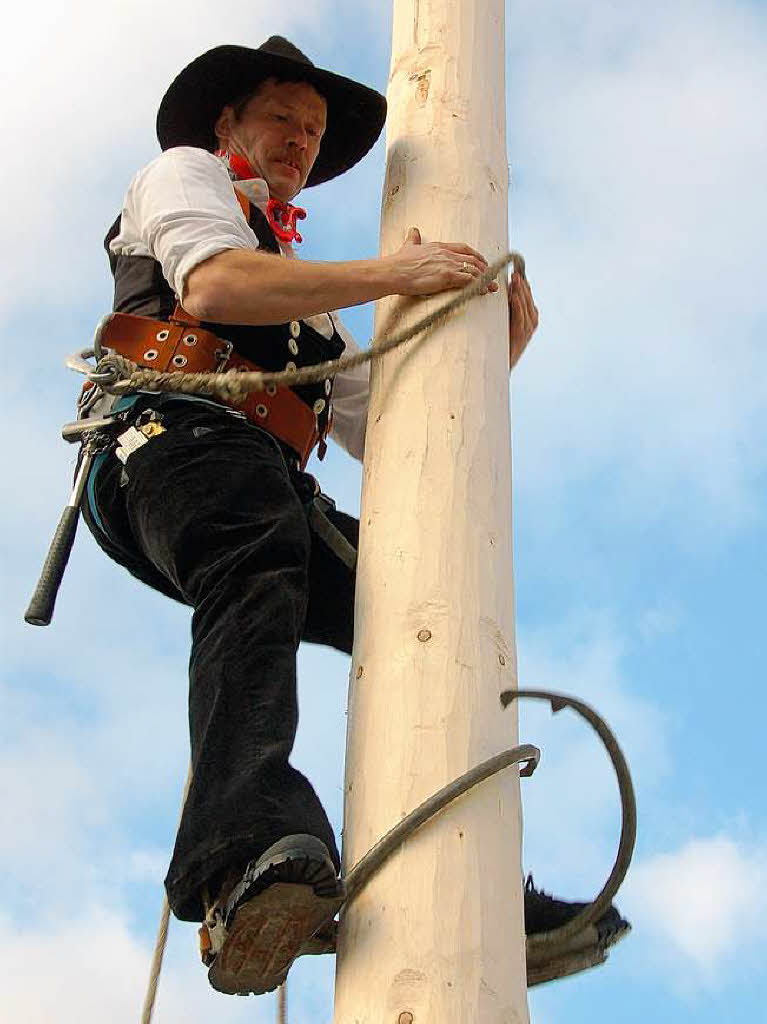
{"x": 282, "y": 217}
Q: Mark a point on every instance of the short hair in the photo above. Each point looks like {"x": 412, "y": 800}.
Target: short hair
{"x": 239, "y": 105}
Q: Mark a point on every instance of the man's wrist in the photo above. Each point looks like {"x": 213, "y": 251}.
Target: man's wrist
{"x": 384, "y": 277}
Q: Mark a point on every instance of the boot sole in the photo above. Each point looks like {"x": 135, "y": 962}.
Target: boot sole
{"x": 586, "y": 949}
{"x": 266, "y": 936}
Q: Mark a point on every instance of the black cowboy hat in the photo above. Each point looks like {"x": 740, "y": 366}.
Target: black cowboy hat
{"x": 195, "y": 98}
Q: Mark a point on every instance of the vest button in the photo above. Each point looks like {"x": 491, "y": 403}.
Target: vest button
{"x": 295, "y": 328}
{"x": 262, "y": 411}
{"x": 293, "y": 346}
{"x": 328, "y": 387}
{"x": 319, "y": 406}
{"x": 290, "y": 366}
{"x": 271, "y": 389}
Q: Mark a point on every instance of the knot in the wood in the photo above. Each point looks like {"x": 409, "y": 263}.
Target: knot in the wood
{"x": 406, "y": 1017}
{"x": 423, "y": 636}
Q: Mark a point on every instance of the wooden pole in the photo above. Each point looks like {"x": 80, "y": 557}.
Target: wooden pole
{"x": 437, "y": 936}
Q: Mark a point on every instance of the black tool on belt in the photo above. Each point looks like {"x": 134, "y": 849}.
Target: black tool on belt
{"x": 96, "y": 436}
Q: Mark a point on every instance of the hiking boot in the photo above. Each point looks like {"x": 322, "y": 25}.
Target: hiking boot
{"x": 254, "y": 932}
{"x": 587, "y": 948}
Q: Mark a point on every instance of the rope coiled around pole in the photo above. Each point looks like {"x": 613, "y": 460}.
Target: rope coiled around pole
{"x": 118, "y": 375}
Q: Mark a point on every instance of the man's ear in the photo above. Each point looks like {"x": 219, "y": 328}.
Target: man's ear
{"x": 223, "y": 125}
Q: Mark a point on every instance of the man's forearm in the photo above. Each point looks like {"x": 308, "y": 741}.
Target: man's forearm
{"x": 247, "y": 287}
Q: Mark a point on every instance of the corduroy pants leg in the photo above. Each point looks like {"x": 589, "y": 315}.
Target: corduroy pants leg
{"x": 211, "y": 513}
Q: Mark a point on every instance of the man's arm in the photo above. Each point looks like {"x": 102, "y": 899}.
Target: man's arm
{"x": 250, "y": 287}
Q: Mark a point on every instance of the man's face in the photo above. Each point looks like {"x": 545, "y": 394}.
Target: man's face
{"x": 279, "y": 134}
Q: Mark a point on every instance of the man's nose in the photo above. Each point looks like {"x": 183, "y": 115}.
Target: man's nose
{"x": 298, "y": 136}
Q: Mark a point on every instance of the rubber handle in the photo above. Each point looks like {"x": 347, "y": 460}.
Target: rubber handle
{"x": 40, "y": 610}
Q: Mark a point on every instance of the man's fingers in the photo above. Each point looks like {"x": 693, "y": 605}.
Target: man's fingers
{"x": 465, "y": 251}
{"x": 521, "y": 293}
{"x": 474, "y": 265}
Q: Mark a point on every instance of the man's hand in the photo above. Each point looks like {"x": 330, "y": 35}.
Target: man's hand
{"x": 427, "y": 268}
{"x": 523, "y": 317}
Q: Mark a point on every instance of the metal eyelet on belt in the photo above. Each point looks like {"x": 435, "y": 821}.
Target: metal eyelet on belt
{"x": 179, "y": 361}
{"x": 162, "y": 335}
{"x": 328, "y": 387}
{"x": 293, "y": 346}
{"x": 151, "y": 353}
{"x": 262, "y": 411}
{"x": 290, "y": 366}
{"x": 271, "y": 389}
{"x": 295, "y": 328}
{"x": 190, "y": 339}
{"x": 319, "y": 406}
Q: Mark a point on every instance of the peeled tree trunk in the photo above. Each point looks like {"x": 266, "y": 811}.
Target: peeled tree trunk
{"x": 437, "y": 936}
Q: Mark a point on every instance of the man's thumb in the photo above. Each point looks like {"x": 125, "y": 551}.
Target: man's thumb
{"x": 414, "y": 236}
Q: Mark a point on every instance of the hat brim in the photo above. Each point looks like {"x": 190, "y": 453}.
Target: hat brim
{"x": 196, "y": 97}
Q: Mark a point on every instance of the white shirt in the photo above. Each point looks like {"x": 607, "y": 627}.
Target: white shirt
{"x": 181, "y": 209}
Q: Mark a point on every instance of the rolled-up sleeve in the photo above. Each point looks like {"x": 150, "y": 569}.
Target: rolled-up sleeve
{"x": 181, "y": 210}
{"x": 351, "y": 395}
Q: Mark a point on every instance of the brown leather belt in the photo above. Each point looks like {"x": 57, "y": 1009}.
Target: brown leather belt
{"x": 176, "y": 344}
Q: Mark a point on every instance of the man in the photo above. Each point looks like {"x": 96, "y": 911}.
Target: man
{"x": 211, "y": 505}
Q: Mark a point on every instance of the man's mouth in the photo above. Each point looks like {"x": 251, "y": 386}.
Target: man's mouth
{"x": 291, "y": 164}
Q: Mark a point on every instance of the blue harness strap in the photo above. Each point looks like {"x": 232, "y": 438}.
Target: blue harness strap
{"x": 90, "y": 489}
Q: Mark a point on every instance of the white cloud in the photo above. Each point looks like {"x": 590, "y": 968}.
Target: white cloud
{"x": 642, "y": 213}
{"x": 88, "y": 966}
{"x": 705, "y": 905}
{"x": 82, "y": 87}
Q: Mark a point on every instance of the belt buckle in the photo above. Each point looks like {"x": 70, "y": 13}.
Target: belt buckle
{"x": 222, "y": 355}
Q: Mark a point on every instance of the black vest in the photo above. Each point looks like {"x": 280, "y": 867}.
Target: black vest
{"x": 141, "y": 288}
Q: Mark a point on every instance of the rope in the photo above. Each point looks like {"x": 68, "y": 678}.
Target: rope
{"x": 162, "y": 934}
{"x": 282, "y": 1003}
{"x": 119, "y": 375}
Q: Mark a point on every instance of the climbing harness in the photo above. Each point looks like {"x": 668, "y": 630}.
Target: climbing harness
{"x": 182, "y": 345}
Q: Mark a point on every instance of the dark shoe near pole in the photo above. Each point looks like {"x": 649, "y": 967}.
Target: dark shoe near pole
{"x": 253, "y": 933}
{"x": 586, "y": 948}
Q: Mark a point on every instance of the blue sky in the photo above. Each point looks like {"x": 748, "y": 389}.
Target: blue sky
{"x": 638, "y": 156}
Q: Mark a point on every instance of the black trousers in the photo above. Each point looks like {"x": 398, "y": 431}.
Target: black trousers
{"x": 214, "y": 513}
